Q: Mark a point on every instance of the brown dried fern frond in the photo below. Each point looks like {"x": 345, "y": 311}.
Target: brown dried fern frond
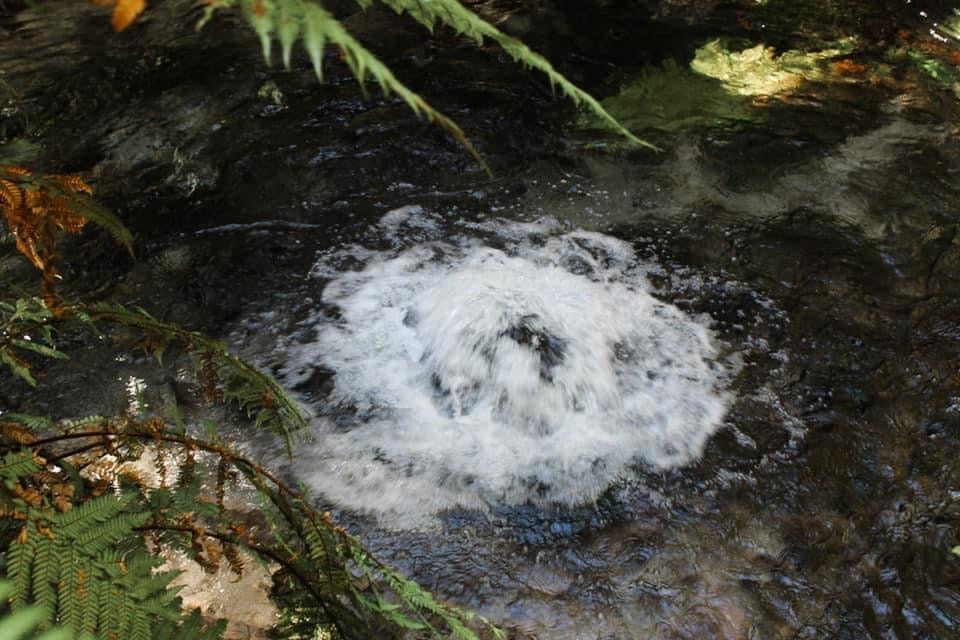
{"x": 11, "y": 195}
{"x": 16, "y": 432}
{"x": 234, "y": 558}
{"x": 35, "y": 209}
{"x": 73, "y": 183}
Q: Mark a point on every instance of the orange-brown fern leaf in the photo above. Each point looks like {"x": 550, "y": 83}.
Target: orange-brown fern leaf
{"x": 187, "y": 469}
{"x": 12, "y": 174}
{"x": 30, "y": 239}
{"x": 206, "y": 552}
{"x": 73, "y": 183}
{"x": 33, "y": 197}
{"x": 63, "y": 216}
{"x": 208, "y": 377}
{"x": 11, "y": 195}
{"x": 134, "y": 476}
{"x": 160, "y": 457}
{"x": 125, "y": 12}
{"x": 16, "y": 432}
{"x": 61, "y": 495}
{"x": 234, "y": 559}
{"x": 34, "y": 210}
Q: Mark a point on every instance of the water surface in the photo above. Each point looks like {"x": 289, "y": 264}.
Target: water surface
{"x": 786, "y": 269}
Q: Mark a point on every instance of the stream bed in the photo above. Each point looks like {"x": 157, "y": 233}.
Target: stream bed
{"x": 709, "y": 392}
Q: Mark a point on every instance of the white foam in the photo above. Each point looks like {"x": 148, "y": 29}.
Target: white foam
{"x": 407, "y": 213}
{"x": 468, "y": 375}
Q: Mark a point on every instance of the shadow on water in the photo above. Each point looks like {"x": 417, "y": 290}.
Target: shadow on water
{"x": 813, "y": 222}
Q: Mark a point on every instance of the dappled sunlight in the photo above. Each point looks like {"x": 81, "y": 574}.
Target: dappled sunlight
{"x": 760, "y": 71}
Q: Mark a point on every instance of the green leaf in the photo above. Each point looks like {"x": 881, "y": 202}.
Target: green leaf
{"x": 31, "y": 310}
{"x": 314, "y": 38}
{"x": 260, "y": 14}
{"x": 17, "y": 464}
{"x": 103, "y": 218}
{"x": 956, "y": 550}
{"x": 34, "y": 423}
{"x": 395, "y": 614}
{"x": 17, "y": 368}
{"x": 45, "y": 574}
{"x": 19, "y": 151}
{"x": 459, "y": 630}
{"x": 457, "y": 16}
{"x": 289, "y": 27}
{"x": 20, "y": 562}
{"x": 37, "y": 347}
{"x": 293, "y": 18}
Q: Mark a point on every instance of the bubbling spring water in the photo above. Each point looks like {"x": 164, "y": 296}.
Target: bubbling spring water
{"x": 463, "y": 374}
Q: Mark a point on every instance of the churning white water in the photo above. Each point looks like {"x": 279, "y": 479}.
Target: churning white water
{"x": 464, "y": 374}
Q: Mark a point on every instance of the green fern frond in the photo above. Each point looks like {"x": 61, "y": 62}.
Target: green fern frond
{"x": 31, "y": 422}
{"x": 110, "y": 562}
{"x": 95, "y": 599}
{"x": 459, "y": 630}
{"x": 19, "y": 152}
{"x": 38, "y": 347}
{"x": 288, "y": 27}
{"x": 16, "y": 625}
{"x": 290, "y": 20}
{"x": 413, "y": 599}
{"x": 28, "y": 310}
{"x": 19, "y": 565}
{"x": 191, "y": 627}
{"x": 45, "y": 574}
{"x": 111, "y": 532}
{"x": 69, "y": 425}
{"x": 88, "y": 567}
{"x": 140, "y": 629}
{"x": 152, "y": 591}
{"x": 106, "y": 611}
{"x": 453, "y": 14}
{"x": 100, "y": 613}
{"x": 17, "y": 464}
{"x": 69, "y": 598}
{"x": 239, "y": 382}
{"x": 88, "y": 516}
{"x": 92, "y": 211}
{"x": 25, "y": 326}
{"x": 17, "y": 366}
{"x": 394, "y": 613}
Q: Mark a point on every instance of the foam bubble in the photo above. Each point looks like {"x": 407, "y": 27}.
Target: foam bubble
{"x": 466, "y": 375}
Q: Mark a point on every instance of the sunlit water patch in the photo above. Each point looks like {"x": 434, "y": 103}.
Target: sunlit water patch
{"x": 532, "y": 365}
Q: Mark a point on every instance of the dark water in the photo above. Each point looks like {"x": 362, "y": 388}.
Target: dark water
{"x": 815, "y": 223}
